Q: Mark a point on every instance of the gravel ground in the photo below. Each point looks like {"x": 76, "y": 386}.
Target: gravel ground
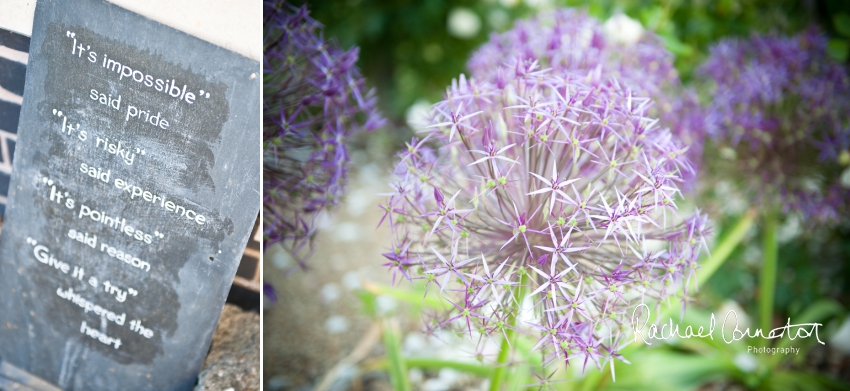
{"x": 318, "y": 319}
{"x": 233, "y": 363}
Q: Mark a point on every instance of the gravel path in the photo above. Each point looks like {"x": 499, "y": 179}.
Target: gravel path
{"x": 318, "y": 319}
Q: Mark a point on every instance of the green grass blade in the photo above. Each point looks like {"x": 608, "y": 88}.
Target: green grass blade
{"x": 397, "y": 368}
{"x": 767, "y": 288}
{"x": 505, "y": 349}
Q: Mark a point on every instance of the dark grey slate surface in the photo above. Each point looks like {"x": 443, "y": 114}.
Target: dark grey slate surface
{"x": 65, "y": 328}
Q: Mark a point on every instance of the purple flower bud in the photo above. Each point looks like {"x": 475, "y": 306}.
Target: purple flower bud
{"x": 438, "y": 196}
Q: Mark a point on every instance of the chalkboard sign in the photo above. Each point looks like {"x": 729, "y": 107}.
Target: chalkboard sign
{"x": 136, "y": 183}
{"x": 13, "y": 69}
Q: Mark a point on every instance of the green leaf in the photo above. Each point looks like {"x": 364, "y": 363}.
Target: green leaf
{"x": 427, "y": 363}
{"x": 802, "y": 381}
{"x": 520, "y": 378}
{"x": 652, "y": 17}
{"x": 818, "y": 312}
{"x": 676, "y": 46}
{"x": 592, "y": 380}
{"x": 504, "y": 350}
{"x": 435, "y": 364}
{"x": 523, "y": 346}
{"x": 724, "y": 247}
{"x": 838, "y": 49}
{"x": 696, "y": 318}
{"x": 661, "y": 369}
{"x": 415, "y": 296}
{"x": 370, "y": 306}
{"x": 767, "y": 282}
{"x": 842, "y": 24}
{"x": 397, "y": 366}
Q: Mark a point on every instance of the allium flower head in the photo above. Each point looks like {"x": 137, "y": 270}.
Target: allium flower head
{"x": 314, "y": 101}
{"x": 568, "y": 40}
{"x": 554, "y": 181}
{"x": 781, "y": 110}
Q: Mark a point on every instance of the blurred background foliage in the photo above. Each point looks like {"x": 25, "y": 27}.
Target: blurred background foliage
{"x": 410, "y": 50}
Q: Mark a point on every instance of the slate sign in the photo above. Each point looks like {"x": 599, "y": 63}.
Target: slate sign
{"x": 135, "y": 186}
{"x": 13, "y": 69}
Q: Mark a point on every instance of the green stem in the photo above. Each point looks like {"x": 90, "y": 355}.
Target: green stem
{"x": 505, "y": 349}
{"x": 725, "y": 247}
{"x": 770, "y": 249}
{"x": 520, "y": 378}
{"x": 569, "y": 381}
{"x": 434, "y": 364}
{"x": 428, "y": 363}
{"x": 397, "y": 365}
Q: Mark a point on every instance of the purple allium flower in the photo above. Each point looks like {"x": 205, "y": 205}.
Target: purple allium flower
{"x": 780, "y": 112}
{"x": 570, "y": 40}
{"x": 314, "y": 101}
{"x": 557, "y": 181}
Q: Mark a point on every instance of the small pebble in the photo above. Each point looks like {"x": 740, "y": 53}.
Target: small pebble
{"x": 359, "y": 201}
{"x": 415, "y": 375}
{"x": 348, "y": 232}
{"x": 386, "y": 304}
{"x": 351, "y": 281}
{"x": 330, "y": 292}
{"x": 336, "y": 324}
{"x": 841, "y": 339}
{"x": 282, "y": 259}
{"x": 277, "y": 383}
{"x": 414, "y": 344}
{"x": 746, "y": 362}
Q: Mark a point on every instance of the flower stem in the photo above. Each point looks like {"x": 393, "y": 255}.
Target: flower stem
{"x": 397, "y": 365}
{"x": 504, "y": 350}
{"x": 433, "y": 364}
{"x": 725, "y": 247}
{"x": 770, "y": 249}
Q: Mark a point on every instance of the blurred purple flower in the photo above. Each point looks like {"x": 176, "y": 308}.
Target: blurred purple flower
{"x": 568, "y": 40}
{"x": 565, "y": 181}
{"x": 780, "y": 109}
{"x": 313, "y": 102}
